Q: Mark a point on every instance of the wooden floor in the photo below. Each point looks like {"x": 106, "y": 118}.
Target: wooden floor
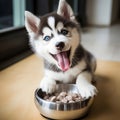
{"x": 18, "y": 83}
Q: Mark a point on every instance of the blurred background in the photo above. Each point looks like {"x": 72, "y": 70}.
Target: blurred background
{"x": 99, "y": 20}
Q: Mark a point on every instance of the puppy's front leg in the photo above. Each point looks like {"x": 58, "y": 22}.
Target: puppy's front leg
{"x": 48, "y": 85}
{"x": 84, "y": 85}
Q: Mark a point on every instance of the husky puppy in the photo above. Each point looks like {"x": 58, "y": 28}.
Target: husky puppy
{"x": 56, "y": 38}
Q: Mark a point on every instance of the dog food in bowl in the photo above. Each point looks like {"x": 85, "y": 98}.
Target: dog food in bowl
{"x": 63, "y": 97}
{"x": 62, "y": 104}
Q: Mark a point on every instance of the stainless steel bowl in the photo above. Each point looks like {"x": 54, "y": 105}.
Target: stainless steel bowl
{"x": 62, "y": 110}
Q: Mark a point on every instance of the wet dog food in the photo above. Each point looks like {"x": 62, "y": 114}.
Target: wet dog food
{"x": 63, "y": 97}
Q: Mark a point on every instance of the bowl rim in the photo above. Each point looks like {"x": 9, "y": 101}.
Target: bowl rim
{"x": 60, "y": 106}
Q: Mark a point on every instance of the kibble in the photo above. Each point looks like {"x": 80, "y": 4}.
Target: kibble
{"x": 53, "y": 98}
{"x": 63, "y": 97}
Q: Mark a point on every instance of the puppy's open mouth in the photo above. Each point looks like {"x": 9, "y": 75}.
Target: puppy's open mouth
{"x": 63, "y": 59}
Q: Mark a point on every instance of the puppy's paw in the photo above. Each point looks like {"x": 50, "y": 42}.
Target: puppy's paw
{"x": 48, "y": 85}
{"x": 87, "y": 90}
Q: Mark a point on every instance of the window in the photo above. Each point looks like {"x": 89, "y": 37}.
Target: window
{"x": 13, "y": 36}
{"x": 11, "y": 13}
{"x": 6, "y": 16}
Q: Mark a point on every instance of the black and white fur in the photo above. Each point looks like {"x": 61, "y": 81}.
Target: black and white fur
{"x": 82, "y": 63}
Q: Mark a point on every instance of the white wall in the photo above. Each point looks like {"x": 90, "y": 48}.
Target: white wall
{"x": 99, "y": 12}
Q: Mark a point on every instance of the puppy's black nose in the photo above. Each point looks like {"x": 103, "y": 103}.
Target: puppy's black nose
{"x": 60, "y": 45}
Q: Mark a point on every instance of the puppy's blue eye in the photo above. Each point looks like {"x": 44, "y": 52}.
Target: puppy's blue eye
{"x": 47, "y": 38}
{"x": 64, "y": 32}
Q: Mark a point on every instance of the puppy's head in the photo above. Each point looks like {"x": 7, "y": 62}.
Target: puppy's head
{"x": 54, "y": 36}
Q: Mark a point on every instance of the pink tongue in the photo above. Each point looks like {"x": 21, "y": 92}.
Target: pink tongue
{"x": 63, "y": 61}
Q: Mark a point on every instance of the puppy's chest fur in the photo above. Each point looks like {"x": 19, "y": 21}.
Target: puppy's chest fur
{"x": 68, "y": 76}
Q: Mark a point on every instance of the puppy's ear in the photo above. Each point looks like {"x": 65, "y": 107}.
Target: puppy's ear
{"x": 65, "y": 10}
{"x": 31, "y": 22}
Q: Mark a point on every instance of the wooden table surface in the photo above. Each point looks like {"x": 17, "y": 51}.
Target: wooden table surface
{"x": 19, "y": 81}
